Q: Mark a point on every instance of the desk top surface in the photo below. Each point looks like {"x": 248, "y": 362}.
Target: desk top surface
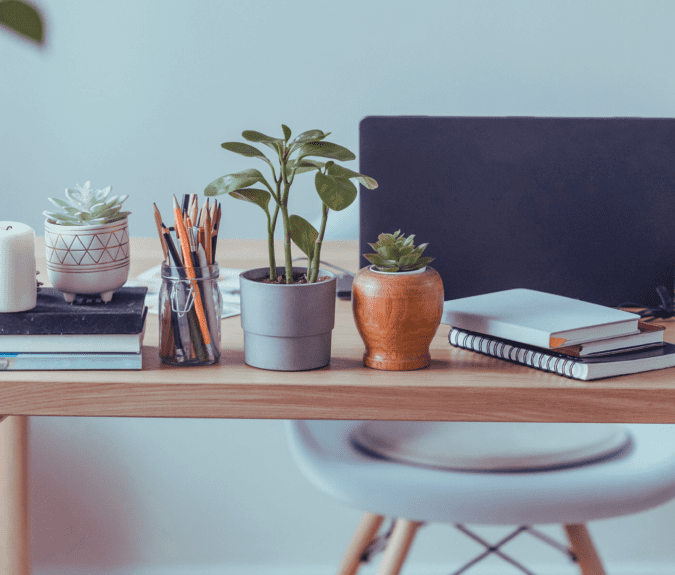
{"x": 459, "y": 385}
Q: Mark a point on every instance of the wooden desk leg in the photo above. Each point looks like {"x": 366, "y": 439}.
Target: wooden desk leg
{"x": 14, "y": 527}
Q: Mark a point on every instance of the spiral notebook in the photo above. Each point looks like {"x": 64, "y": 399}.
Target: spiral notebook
{"x": 626, "y": 363}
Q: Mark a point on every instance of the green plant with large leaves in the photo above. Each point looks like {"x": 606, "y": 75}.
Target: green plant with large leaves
{"x": 332, "y": 181}
{"x": 23, "y": 19}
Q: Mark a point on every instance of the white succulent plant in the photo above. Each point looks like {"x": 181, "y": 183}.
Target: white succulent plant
{"x": 87, "y": 207}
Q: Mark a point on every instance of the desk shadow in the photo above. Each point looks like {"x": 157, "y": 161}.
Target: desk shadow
{"x": 81, "y": 507}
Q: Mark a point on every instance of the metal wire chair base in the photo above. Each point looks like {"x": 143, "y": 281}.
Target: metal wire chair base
{"x": 379, "y": 544}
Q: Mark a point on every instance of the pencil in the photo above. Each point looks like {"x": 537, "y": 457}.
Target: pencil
{"x": 213, "y": 319}
{"x": 162, "y": 241}
{"x": 208, "y": 233}
{"x": 215, "y": 224}
{"x": 171, "y": 247}
{"x": 193, "y": 208}
{"x": 187, "y": 259}
{"x": 170, "y": 322}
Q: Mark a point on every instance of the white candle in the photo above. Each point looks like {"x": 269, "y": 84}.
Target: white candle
{"x": 18, "y": 287}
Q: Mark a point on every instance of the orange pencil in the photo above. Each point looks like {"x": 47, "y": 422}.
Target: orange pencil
{"x": 189, "y": 269}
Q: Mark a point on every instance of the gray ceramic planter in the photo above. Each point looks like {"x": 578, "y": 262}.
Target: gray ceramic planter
{"x": 287, "y": 327}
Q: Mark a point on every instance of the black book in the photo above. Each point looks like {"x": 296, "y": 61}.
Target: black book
{"x": 124, "y": 314}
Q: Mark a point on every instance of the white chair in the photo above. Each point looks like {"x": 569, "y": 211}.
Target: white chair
{"x": 485, "y": 474}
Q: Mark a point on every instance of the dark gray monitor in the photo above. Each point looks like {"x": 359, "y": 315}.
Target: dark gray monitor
{"x": 581, "y": 207}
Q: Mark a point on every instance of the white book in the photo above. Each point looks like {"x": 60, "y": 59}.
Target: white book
{"x": 70, "y": 361}
{"x": 75, "y": 342}
{"x": 537, "y": 318}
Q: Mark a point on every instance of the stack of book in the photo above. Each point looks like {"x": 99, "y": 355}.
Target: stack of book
{"x": 561, "y": 335}
{"x": 85, "y": 334}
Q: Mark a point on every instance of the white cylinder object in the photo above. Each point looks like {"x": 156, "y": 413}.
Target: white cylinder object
{"x": 18, "y": 286}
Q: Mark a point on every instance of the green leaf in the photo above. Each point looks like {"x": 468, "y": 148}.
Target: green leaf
{"x": 60, "y": 216}
{"x": 287, "y": 132}
{"x": 309, "y": 136}
{"x": 232, "y": 182}
{"x": 342, "y": 172}
{"x": 253, "y": 136}
{"x": 408, "y": 260}
{"x": 246, "y": 150}
{"x": 276, "y": 144}
{"x": 387, "y": 239}
{"x": 243, "y": 149}
{"x": 336, "y": 193}
{"x": 325, "y": 150}
{"x": 381, "y": 262}
{"x": 119, "y": 216}
{"x": 423, "y": 262}
{"x": 389, "y": 252}
{"x": 303, "y": 235}
{"x": 419, "y": 249}
{"x": 258, "y": 197}
{"x": 304, "y": 166}
{"x": 22, "y": 18}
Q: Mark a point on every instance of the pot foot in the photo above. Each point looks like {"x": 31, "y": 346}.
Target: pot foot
{"x": 397, "y": 364}
{"x": 69, "y": 297}
{"x": 106, "y": 296}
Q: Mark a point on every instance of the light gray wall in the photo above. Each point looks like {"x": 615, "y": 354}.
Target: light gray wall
{"x": 139, "y": 94}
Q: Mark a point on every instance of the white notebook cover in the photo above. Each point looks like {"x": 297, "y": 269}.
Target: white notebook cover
{"x": 538, "y": 318}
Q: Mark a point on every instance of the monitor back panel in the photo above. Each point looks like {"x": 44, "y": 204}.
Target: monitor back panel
{"x": 581, "y": 207}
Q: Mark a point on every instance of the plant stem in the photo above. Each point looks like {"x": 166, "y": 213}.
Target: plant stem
{"x": 316, "y": 257}
{"x": 287, "y": 223}
{"x": 287, "y": 245}
{"x": 271, "y": 224}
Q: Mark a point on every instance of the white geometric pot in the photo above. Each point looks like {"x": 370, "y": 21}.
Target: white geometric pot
{"x": 87, "y": 259}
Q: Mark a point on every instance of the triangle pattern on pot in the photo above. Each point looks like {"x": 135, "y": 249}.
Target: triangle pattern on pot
{"x": 87, "y": 249}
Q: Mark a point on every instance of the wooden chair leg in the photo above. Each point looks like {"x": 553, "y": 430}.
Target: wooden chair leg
{"x": 14, "y": 535}
{"x": 365, "y": 533}
{"x": 582, "y": 546}
{"x": 397, "y": 549}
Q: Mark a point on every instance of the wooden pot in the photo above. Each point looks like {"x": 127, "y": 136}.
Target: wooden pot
{"x": 397, "y": 315}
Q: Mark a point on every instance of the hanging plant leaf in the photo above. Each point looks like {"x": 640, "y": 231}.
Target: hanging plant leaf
{"x": 304, "y": 165}
{"x": 303, "y": 235}
{"x": 342, "y": 172}
{"x": 22, "y": 18}
{"x": 308, "y": 136}
{"x": 276, "y": 144}
{"x": 258, "y": 197}
{"x": 336, "y": 193}
{"x": 325, "y": 150}
{"x": 246, "y": 150}
{"x": 232, "y": 182}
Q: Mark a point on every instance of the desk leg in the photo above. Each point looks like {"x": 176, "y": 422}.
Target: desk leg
{"x": 14, "y": 527}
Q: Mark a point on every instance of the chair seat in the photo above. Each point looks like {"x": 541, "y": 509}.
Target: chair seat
{"x": 641, "y": 476}
{"x": 486, "y": 447}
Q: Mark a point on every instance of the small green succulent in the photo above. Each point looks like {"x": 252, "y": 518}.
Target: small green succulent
{"x": 86, "y": 207}
{"x": 396, "y": 253}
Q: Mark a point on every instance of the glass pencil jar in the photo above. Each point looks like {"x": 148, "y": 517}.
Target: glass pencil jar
{"x": 189, "y": 315}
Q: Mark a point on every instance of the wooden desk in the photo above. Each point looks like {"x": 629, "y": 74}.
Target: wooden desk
{"x": 459, "y": 385}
